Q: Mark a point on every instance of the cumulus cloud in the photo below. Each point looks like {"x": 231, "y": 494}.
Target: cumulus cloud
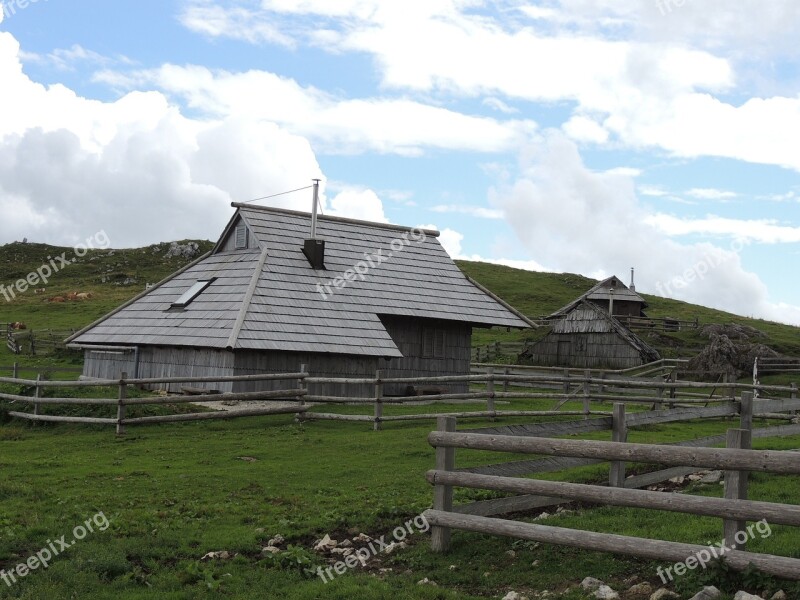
{"x": 137, "y": 168}
{"x": 336, "y": 125}
{"x": 573, "y": 219}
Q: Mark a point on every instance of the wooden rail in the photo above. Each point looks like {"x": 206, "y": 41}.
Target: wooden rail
{"x": 737, "y": 459}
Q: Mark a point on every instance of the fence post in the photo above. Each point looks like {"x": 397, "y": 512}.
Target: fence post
{"x": 507, "y": 372}
{"x": 123, "y": 395}
{"x": 746, "y": 412}
{"x": 497, "y": 351}
{"x": 15, "y": 371}
{"x": 793, "y": 395}
{"x": 303, "y": 387}
{"x": 443, "y": 494}
{"x": 673, "y": 377}
{"x": 378, "y": 400}
{"x": 586, "y": 397}
{"x": 736, "y": 489}
{"x": 37, "y": 394}
{"x": 490, "y": 392}
{"x": 33, "y": 344}
{"x": 619, "y": 433}
{"x": 566, "y": 382}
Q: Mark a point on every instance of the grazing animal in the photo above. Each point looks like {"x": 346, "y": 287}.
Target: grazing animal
{"x": 40, "y": 291}
{"x": 57, "y": 299}
{"x": 18, "y": 326}
{"x": 72, "y": 296}
{"x": 84, "y": 296}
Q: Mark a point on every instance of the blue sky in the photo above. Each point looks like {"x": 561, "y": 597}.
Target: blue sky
{"x": 583, "y": 136}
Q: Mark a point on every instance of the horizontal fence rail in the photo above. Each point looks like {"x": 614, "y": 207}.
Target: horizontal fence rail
{"x": 593, "y": 391}
{"x": 737, "y": 459}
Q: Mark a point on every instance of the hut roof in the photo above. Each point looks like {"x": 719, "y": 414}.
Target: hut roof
{"x": 268, "y": 297}
{"x": 601, "y": 292}
{"x": 587, "y": 317}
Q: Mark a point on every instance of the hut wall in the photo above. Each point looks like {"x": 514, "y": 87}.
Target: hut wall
{"x": 430, "y": 348}
{"x": 162, "y": 361}
{"x": 318, "y": 365}
{"x": 585, "y": 350}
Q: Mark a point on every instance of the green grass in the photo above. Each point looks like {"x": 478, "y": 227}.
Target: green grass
{"x": 172, "y": 493}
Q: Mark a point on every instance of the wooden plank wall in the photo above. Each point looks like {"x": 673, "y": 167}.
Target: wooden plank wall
{"x": 318, "y": 365}
{"x": 408, "y": 336}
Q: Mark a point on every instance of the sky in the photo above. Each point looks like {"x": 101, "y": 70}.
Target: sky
{"x": 581, "y": 136}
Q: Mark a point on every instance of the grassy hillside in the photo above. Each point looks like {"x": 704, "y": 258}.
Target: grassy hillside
{"x": 114, "y": 276}
{"x": 537, "y": 294}
{"x": 111, "y": 276}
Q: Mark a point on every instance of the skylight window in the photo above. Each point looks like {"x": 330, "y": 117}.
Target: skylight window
{"x": 192, "y": 293}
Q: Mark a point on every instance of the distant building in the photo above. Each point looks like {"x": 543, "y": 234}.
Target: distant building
{"x": 270, "y": 297}
{"x": 584, "y": 333}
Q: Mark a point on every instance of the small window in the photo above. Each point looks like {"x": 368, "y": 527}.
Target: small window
{"x": 192, "y": 293}
{"x": 240, "y": 237}
{"x": 433, "y": 343}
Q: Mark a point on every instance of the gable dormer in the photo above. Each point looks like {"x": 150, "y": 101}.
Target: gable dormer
{"x": 237, "y": 238}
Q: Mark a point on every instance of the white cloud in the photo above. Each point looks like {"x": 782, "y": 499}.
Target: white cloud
{"x": 136, "y": 168}
{"x": 601, "y": 228}
{"x": 584, "y": 129}
{"x": 764, "y": 231}
{"x": 336, "y": 125}
{"x": 652, "y": 190}
{"x": 474, "y": 211}
{"x": 648, "y": 80}
{"x": 357, "y": 203}
{"x": 499, "y": 105}
{"x": 711, "y": 194}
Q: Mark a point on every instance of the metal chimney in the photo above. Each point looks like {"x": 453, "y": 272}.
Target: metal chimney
{"x": 633, "y": 285}
{"x": 313, "y": 248}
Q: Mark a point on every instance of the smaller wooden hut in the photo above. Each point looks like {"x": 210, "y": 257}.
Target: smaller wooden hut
{"x": 585, "y": 334}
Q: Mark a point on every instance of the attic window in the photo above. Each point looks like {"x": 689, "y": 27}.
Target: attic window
{"x": 192, "y": 293}
{"x": 240, "y": 237}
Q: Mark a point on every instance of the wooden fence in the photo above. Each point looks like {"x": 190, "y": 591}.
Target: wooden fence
{"x": 737, "y": 459}
{"x": 592, "y": 389}
{"x": 40, "y": 341}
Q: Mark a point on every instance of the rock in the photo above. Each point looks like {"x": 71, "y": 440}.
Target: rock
{"x": 221, "y": 555}
{"x": 591, "y": 584}
{"x": 511, "y": 553}
{"x": 630, "y": 580}
{"x": 276, "y": 541}
{"x": 363, "y": 538}
{"x": 535, "y": 563}
{"x": 641, "y": 590}
{"x": 512, "y": 596}
{"x": 712, "y": 477}
{"x": 394, "y": 546}
{"x": 325, "y": 544}
{"x": 679, "y": 480}
{"x": 543, "y": 516}
{"x": 453, "y": 567}
{"x": 189, "y": 250}
{"x": 426, "y": 581}
{"x": 741, "y": 595}
{"x": 267, "y": 550}
{"x": 695, "y": 477}
{"x": 707, "y": 593}
{"x": 664, "y": 594}
{"x": 345, "y": 544}
{"x": 779, "y": 595}
{"x": 605, "y": 593}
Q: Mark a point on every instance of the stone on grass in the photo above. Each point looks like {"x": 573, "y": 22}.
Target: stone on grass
{"x": 426, "y": 581}
{"x": 779, "y": 595}
{"x": 276, "y": 541}
{"x": 591, "y": 583}
{"x": 605, "y": 593}
{"x": 664, "y": 594}
{"x": 640, "y": 590}
{"x": 707, "y": 593}
{"x": 267, "y": 550}
{"x": 742, "y": 595}
{"x": 325, "y": 544}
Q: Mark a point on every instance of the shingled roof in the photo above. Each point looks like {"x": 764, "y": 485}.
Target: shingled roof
{"x": 269, "y": 297}
{"x": 600, "y": 292}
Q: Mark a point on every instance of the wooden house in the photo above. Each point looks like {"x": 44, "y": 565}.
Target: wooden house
{"x": 342, "y": 296}
{"x": 584, "y": 334}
